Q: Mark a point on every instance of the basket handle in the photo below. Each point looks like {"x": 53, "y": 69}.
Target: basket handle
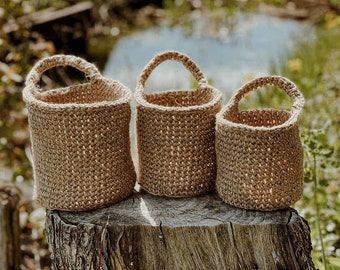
{"x": 171, "y": 55}
{"x": 45, "y": 64}
{"x": 278, "y": 81}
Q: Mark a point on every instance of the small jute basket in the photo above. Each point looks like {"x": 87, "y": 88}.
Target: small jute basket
{"x": 80, "y": 138}
{"x": 176, "y": 134}
{"x": 259, "y": 153}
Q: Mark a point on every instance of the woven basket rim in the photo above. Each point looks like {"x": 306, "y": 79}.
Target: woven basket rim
{"x": 278, "y": 81}
{"x": 216, "y": 98}
{"x": 220, "y": 119}
{"x": 31, "y": 99}
{"x": 191, "y": 66}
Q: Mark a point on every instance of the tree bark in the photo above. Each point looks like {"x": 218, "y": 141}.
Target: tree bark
{"x": 148, "y": 232}
{"x": 9, "y": 227}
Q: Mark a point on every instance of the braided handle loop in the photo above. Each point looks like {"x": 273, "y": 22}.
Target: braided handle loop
{"x": 45, "y": 64}
{"x": 171, "y": 55}
{"x": 278, "y": 81}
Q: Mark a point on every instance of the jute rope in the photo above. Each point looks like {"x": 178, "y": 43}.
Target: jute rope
{"x": 176, "y": 134}
{"x": 80, "y": 138}
{"x": 259, "y": 153}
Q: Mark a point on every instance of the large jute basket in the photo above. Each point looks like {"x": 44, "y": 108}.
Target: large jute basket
{"x": 80, "y": 138}
{"x": 259, "y": 153}
{"x": 176, "y": 134}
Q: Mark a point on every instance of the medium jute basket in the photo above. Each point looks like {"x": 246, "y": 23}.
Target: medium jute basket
{"x": 80, "y": 138}
{"x": 176, "y": 134}
{"x": 259, "y": 153}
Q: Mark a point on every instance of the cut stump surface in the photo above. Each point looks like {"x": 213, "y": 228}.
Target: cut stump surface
{"x": 148, "y": 232}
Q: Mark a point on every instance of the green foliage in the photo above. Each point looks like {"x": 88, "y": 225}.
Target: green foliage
{"x": 269, "y": 97}
{"x": 315, "y": 68}
{"x": 18, "y": 50}
{"x": 320, "y": 165}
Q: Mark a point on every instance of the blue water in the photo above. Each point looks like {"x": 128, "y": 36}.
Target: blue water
{"x": 227, "y": 57}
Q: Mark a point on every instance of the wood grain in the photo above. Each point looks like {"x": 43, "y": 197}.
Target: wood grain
{"x": 148, "y": 232}
{"x": 9, "y": 227}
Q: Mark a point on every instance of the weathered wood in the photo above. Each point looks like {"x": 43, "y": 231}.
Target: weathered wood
{"x": 284, "y": 12}
{"x": 311, "y": 10}
{"x": 147, "y": 232}
{"x": 9, "y": 227}
{"x": 47, "y": 16}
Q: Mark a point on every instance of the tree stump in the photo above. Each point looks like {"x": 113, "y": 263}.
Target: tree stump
{"x": 9, "y": 227}
{"x": 148, "y": 232}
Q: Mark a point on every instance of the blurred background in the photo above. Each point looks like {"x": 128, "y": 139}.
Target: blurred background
{"x": 231, "y": 41}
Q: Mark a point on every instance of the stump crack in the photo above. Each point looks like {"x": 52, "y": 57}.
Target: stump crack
{"x": 297, "y": 233}
{"x": 163, "y": 240}
{"x": 161, "y": 235}
{"x": 189, "y": 249}
{"x": 237, "y": 252}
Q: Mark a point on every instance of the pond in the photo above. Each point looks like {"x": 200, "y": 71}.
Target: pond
{"x": 229, "y": 53}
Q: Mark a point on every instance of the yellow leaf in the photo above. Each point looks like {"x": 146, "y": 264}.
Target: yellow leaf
{"x": 295, "y": 65}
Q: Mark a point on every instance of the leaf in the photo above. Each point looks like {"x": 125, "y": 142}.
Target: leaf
{"x": 323, "y": 182}
{"x": 334, "y": 261}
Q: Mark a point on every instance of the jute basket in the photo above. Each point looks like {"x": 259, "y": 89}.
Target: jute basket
{"x": 176, "y": 134}
{"x": 259, "y": 153}
{"x": 80, "y": 138}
